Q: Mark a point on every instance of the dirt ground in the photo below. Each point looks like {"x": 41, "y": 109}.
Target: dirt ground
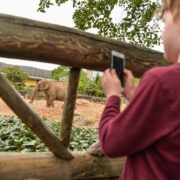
{"x": 87, "y": 114}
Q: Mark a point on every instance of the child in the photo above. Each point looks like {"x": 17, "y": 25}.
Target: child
{"x": 148, "y": 130}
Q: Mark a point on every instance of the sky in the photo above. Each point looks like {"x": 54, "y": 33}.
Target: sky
{"x": 57, "y": 15}
{"x": 28, "y": 9}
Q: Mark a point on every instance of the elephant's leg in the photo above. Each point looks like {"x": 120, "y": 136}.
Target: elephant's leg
{"x": 47, "y": 104}
{"x": 62, "y": 106}
{"x": 50, "y": 102}
{"x": 47, "y": 98}
{"x": 53, "y": 104}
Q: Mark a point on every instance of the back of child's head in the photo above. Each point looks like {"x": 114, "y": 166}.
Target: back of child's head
{"x": 173, "y": 6}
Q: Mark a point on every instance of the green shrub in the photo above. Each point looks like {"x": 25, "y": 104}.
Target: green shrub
{"x": 16, "y": 136}
{"x": 15, "y": 74}
{"x": 90, "y": 87}
{"x": 136, "y": 81}
{"x": 59, "y": 72}
{"x": 19, "y": 86}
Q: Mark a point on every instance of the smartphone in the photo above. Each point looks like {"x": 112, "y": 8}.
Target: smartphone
{"x": 118, "y": 63}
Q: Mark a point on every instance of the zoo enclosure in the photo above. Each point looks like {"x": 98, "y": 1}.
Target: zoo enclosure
{"x": 37, "y": 41}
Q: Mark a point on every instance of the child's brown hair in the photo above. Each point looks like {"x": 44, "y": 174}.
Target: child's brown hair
{"x": 173, "y": 6}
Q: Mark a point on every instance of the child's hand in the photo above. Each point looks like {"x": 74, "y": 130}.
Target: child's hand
{"x": 111, "y": 83}
{"x": 129, "y": 84}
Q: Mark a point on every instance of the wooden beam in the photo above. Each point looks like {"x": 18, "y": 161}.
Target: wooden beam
{"x": 45, "y": 166}
{"x": 22, "y": 38}
{"x": 69, "y": 105}
{"x": 31, "y": 119}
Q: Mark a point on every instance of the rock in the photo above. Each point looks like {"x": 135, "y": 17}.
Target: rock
{"x": 82, "y": 102}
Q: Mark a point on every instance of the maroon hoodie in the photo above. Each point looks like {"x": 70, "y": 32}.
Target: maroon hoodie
{"x": 148, "y": 130}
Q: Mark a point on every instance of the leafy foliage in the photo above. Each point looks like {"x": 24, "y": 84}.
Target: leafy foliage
{"x": 138, "y": 21}
{"x": 83, "y": 82}
{"x": 16, "y": 136}
{"x": 136, "y": 81}
{"x": 15, "y": 74}
{"x": 82, "y": 138}
{"x": 90, "y": 87}
{"x": 59, "y": 72}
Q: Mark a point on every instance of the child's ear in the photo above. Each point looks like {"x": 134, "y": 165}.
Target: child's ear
{"x": 178, "y": 58}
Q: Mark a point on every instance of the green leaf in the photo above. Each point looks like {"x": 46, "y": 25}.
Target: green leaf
{"x": 15, "y": 136}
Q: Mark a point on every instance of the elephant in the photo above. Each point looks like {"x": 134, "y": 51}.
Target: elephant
{"x": 51, "y": 89}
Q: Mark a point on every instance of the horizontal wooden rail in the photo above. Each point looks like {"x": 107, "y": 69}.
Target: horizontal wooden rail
{"x": 45, "y": 166}
{"x": 38, "y": 41}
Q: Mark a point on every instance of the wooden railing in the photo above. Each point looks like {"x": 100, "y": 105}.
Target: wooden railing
{"x": 36, "y": 41}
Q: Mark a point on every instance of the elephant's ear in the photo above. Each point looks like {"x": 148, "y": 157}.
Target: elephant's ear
{"x": 46, "y": 86}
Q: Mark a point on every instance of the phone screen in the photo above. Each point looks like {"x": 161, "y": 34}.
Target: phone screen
{"x": 118, "y": 65}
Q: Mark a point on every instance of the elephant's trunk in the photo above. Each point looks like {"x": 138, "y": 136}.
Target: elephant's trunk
{"x": 34, "y": 93}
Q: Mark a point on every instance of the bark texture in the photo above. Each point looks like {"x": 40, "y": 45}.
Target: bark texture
{"x": 37, "y": 41}
{"x": 69, "y": 105}
{"x": 44, "y": 166}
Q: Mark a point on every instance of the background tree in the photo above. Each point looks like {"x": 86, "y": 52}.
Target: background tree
{"x": 138, "y": 21}
{"x": 15, "y": 75}
{"x": 90, "y": 87}
{"x": 60, "y": 71}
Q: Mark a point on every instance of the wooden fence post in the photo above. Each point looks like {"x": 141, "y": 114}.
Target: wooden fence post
{"x": 69, "y": 106}
{"x": 32, "y": 119}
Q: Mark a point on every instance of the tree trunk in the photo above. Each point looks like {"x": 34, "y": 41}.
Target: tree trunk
{"x": 37, "y": 41}
{"x": 46, "y": 167}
